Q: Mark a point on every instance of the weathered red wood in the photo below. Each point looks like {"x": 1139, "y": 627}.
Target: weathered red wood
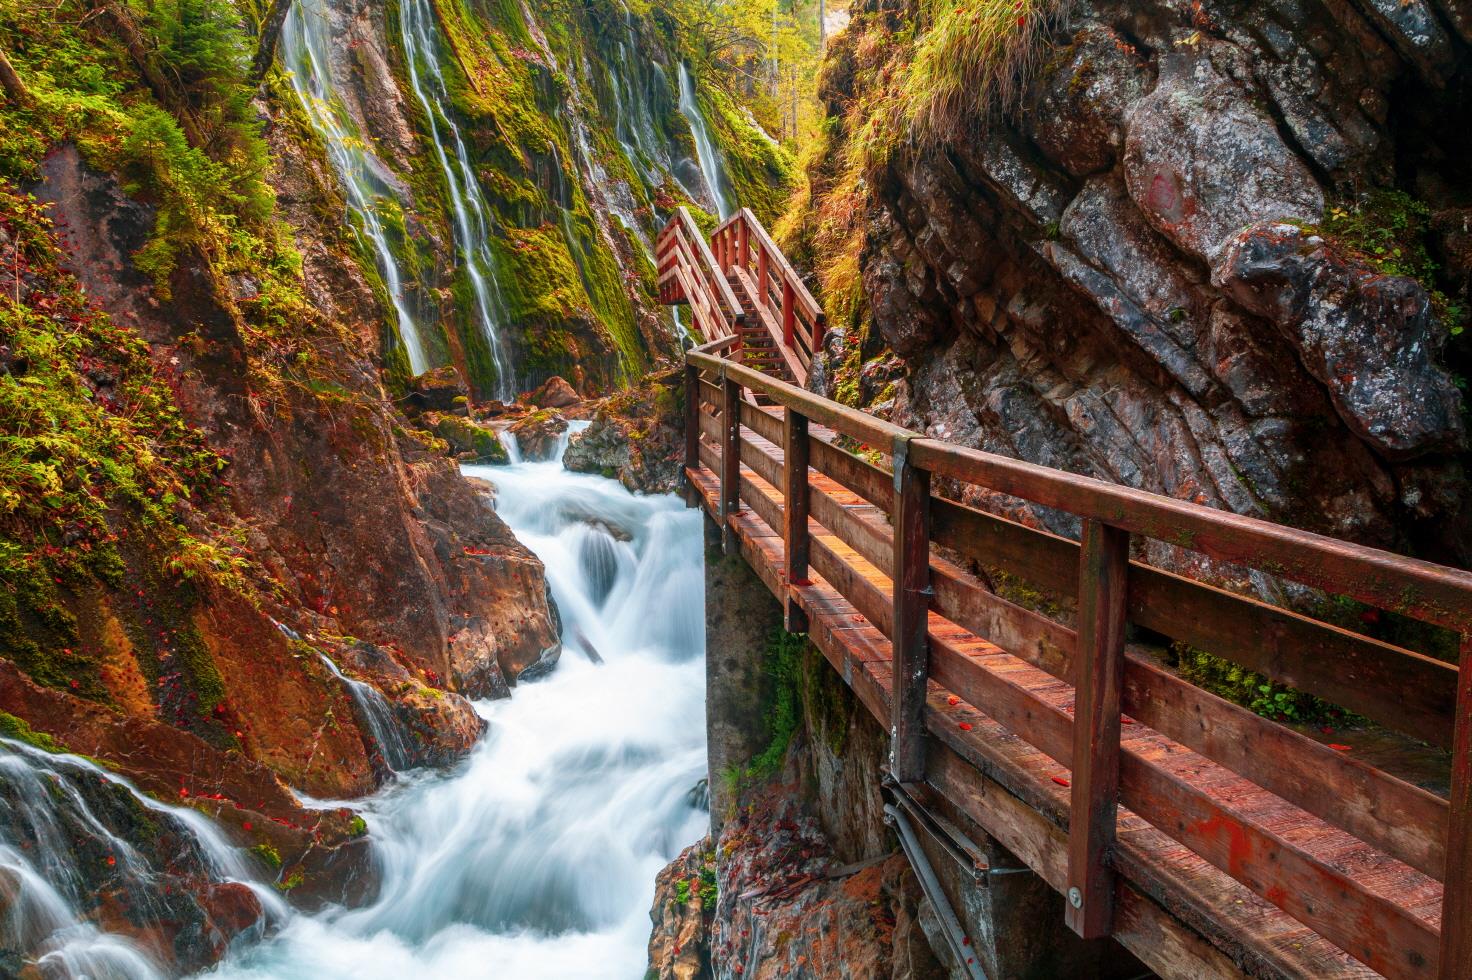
{"x": 1404, "y": 821}
{"x": 1398, "y": 583}
{"x": 795, "y": 495}
{"x": 1456, "y": 909}
{"x": 1099, "y": 679}
{"x": 692, "y": 417}
{"x": 730, "y": 458}
{"x": 911, "y": 602}
{"x": 1401, "y": 689}
{"x": 788, "y": 313}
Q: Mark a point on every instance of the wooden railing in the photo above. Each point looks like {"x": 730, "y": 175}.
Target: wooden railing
{"x": 1345, "y": 848}
{"x": 766, "y": 288}
{"x": 742, "y": 246}
{"x": 689, "y": 274}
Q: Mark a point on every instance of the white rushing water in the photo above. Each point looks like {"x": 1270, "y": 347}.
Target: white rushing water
{"x": 55, "y": 819}
{"x": 470, "y": 213}
{"x": 536, "y": 857}
{"x": 367, "y": 184}
{"x": 711, "y": 163}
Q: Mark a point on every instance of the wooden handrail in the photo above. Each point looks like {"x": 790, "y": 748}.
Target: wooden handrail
{"x": 779, "y": 305}
{"x": 941, "y": 624}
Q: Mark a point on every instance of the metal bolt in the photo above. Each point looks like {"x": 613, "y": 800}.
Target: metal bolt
{"x": 1075, "y": 898}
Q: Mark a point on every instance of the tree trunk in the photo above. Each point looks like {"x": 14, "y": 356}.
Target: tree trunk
{"x": 15, "y": 90}
{"x": 270, "y": 37}
{"x": 138, "y": 50}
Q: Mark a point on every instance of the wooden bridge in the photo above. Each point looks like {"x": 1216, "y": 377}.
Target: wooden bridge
{"x": 1206, "y": 839}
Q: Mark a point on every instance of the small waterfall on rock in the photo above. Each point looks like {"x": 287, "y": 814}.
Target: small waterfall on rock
{"x": 536, "y": 857}
{"x": 471, "y": 221}
{"x": 70, "y": 841}
{"x": 711, "y": 163}
{"x": 369, "y": 186}
{"x": 377, "y": 716}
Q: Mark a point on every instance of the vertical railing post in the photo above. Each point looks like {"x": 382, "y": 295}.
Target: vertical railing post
{"x": 730, "y": 459}
{"x": 743, "y": 244}
{"x": 763, "y": 278}
{"x": 789, "y": 313}
{"x": 1456, "y": 898}
{"x": 1098, "y": 680}
{"x": 909, "y": 640}
{"x": 795, "y": 491}
{"x": 692, "y": 417}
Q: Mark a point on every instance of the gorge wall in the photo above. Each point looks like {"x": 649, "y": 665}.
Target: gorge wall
{"x": 231, "y": 566}
{"x": 1214, "y": 250}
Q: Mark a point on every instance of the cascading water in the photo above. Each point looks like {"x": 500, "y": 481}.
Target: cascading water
{"x": 536, "y": 858}
{"x": 471, "y": 222}
{"x": 377, "y": 716}
{"x": 711, "y": 163}
{"x": 62, "y": 840}
{"x": 367, "y": 183}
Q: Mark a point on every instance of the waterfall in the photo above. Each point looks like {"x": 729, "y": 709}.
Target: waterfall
{"x": 711, "y": 164}
{"x": 377, "y": 717}
{"x": 61, "y": 825}
{"x": 536, "y": 857}
{"x": 471, "y": 214}
{"x": 367, "y": 184}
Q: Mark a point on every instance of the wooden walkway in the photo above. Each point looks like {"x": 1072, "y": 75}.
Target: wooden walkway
{"x": 1206, "y": 839}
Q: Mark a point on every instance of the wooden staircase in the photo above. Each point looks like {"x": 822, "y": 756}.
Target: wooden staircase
{"x": 740, "y": 286}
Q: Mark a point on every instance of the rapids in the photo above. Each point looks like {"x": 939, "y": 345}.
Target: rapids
{"x": 536, "y": 857}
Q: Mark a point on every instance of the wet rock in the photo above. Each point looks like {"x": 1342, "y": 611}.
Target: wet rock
{"x": 1202, "y": 161}
{"x": 679, "y": 946}
{"x": 439, "y": 390}
{"x": 636, "y": 437}
{"x": 1369, "y": 338}
{"x": 1108, "y": 340}
{"x": 538, "y": 435}
{"x": 555, "y": 392}
{"x": 469, "y": 441}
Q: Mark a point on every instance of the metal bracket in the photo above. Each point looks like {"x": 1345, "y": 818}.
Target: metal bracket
{"x": 951, "y": 839}
{"x": 961, "y": 946}
{"x": 900, "y": 455}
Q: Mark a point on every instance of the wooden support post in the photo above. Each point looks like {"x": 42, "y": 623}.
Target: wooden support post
{"x": 789, "y": 313}
{"x": 820, "y": 327}
{"x": 1099, "y": 679}
{"x": 910, "y": 638}
{"x": 730, "y": 460}
{"x": 763, "y": 278}
{"x": 743, "y": 245}
{"x": 692, "y": 417}
{"x": 795, "y": 491}
{"x": 1456, "y": 899}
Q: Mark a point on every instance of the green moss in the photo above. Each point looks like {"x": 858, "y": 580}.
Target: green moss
{"x": 269, "y": 856}
{"x": 1389, "y": 231}
{"x": 782, "y": 664}
{"x": 357, "y": 827}
{"x": 1252, "y": 690}
{"x": 16, "y": 729}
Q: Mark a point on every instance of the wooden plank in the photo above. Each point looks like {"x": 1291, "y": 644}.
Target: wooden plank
{"x": 795, "y": 497}
{"x": 1212, "y": 906}
{"x": 1456, "y": 911}
{"x": 1369, "y": 926}
{"x": 1401, "y": 689}
{"x": 1405, "y": 821}
{"x": 911, "y": 602}
{"x": 692, "y": 416}
{"x": 730, "y": 458}
{"x": 1099, "y": 673}
{"x": 1398, "y": 583}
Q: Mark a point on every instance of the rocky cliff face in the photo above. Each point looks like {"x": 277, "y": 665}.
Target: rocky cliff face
{"x": 1214, "y": 250}
{"x": 800, "y": 876}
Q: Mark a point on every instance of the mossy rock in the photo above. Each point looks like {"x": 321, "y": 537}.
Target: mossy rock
{"x": 469, "y": 440}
